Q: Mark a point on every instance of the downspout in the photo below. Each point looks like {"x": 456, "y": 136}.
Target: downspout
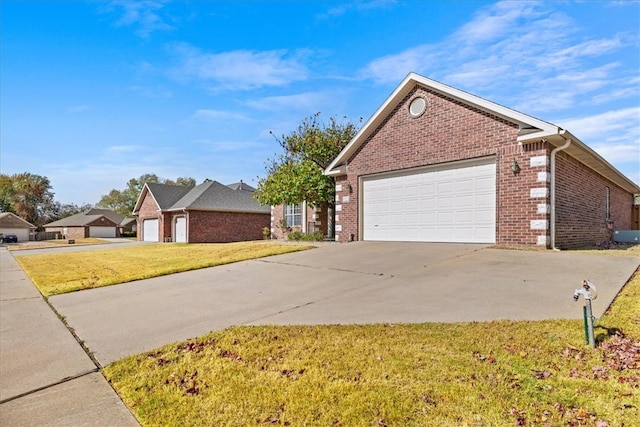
{"x": 552, "y": 192}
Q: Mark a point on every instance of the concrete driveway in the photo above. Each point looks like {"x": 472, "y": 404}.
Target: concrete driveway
{"x": 361, "y": 282}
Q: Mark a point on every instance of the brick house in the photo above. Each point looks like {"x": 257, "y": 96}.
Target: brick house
{"x": 91, "y": 223}
{"x": 437, "y": 164}
{"x": 207, "y": 213}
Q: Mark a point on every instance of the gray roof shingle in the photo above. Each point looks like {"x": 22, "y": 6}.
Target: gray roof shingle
{"x": 87, "y": 217}
{"x": 166, "y": 195}
{"x": 213, "y": 196}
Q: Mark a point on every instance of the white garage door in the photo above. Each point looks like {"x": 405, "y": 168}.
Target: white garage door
{"x": 180, "y": 227}
{"x": 102, "y": 232}
{"x": 150, "y": 230}
{"x": 449, "y": 203}
{"x": 21, "y": 233}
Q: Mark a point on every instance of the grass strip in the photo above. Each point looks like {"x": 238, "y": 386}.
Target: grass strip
{"x": 72, "y": 271}
{"x": 500, "y": 373}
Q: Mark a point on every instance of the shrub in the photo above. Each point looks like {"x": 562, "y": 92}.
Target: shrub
{"x": 266, "y": 233}
{"x": 299, "y": 235}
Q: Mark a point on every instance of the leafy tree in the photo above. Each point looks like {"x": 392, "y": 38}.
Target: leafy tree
{"x": 124, "y": 201}
{"x": 297, "y": 174}
{"x": 27, "y": 195}
{"x": 59, "y": 210}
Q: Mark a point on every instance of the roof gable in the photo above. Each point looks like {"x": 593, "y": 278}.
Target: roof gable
{"x": 164, "y": 195}
{"x": 11, "y": 220}
{"x": 531, "y": 129}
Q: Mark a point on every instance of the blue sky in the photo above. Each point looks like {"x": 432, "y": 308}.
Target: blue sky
{"x": 94, "y": 93}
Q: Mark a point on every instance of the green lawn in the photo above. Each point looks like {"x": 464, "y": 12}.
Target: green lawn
{"x": 66, "y": 272}
{"x": 468, "y": 374}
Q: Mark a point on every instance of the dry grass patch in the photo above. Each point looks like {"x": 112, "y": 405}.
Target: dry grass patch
{"x": 66, "y": 272}
{"x": 56, "y": 243}
{"x": 469, "y": 374}
{"x": 619, "y": 249}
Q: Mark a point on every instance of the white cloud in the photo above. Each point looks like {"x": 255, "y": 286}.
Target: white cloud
{"x": 492, "y": 23}
{"x": 515, "y": 54}
{"x": 143, "y": 14}
{"x": 357, "y": 7}
{"x": 601, "y": 125}
{"x": 615, "y": 135}
{"x": 240, "y": 69}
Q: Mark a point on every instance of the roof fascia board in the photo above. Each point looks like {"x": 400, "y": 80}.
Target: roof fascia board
{"x": 608, "y": 170}
{"x": 185, "y": 210}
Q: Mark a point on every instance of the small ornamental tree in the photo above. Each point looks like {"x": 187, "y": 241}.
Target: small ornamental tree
{"x": 297, "y": 174}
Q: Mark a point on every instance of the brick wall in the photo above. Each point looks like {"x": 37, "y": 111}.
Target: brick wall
{"x": 222, "y": 227}
{"x": 581, "y": 205}
{"x": 72, "y": 232}
{"x": 316, "y": 215}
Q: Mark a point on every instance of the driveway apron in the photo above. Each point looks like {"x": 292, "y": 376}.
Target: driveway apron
{"x": 362, "y": 282}
{"x": 46, "y": 378}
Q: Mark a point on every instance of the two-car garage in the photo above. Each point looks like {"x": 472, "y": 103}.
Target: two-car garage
{"x": 454, "y": 202}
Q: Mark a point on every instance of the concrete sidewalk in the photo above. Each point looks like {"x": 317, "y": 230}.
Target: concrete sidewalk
{"x": 46, "y": 378}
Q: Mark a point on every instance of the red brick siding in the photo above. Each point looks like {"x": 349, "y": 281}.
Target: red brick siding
{"x": 72, "y": 232}
{"x": 222, "y": 227}
{"x": 581, "y": 205}
{"x": 515, "y": 206}
{"x": 277, "y": 215}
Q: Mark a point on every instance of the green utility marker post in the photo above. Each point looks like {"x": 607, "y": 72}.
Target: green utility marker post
{"x": 589, "y": 292}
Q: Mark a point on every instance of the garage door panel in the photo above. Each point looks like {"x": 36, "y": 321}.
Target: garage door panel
{"x": 107, "y": 232}
{"x": 180, "y": 225}
{"x": 455, "y": 203}
{"x": 150, "y": 232}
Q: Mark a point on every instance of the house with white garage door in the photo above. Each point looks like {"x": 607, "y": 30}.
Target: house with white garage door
{"x": 207, "y": 213}
{"x": 91, "y": 223}
{"x": 12, "y": 224}
{"x": 437, "y": 164}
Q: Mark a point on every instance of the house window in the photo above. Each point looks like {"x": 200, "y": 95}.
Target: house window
{"x": 607, "y": 204}
{"x": 293, "y": 215}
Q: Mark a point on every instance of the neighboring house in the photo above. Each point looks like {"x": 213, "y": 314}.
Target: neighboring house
{"x": 208, "y": 213}
{"x": 437, "y": 164}
{"x": 92, "y": 223}
{"x": 11, "y": 223}
{"x": 297, "y": 217}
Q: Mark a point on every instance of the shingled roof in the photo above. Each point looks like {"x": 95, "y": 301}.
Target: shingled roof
{"x": 11, "y": 220}
{"x": 241, "y": 186}
{"x": 85, "y": 218}
{"x": 208, "y": 196}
